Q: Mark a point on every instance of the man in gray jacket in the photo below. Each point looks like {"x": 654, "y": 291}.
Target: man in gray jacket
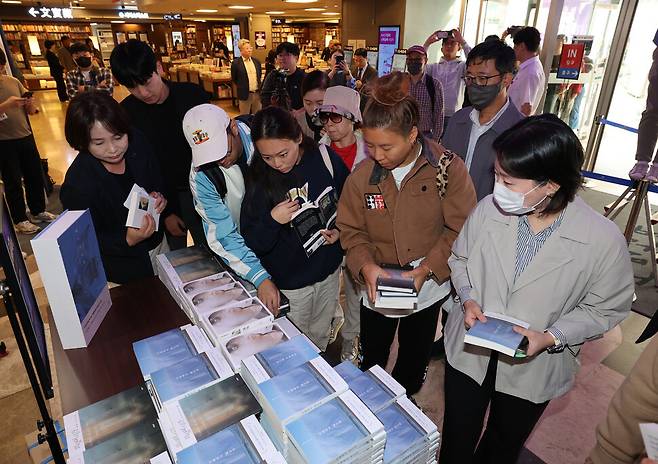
{"x": 472, "y": 130}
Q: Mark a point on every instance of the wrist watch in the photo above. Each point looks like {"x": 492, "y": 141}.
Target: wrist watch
{"x": 557, "y": 347}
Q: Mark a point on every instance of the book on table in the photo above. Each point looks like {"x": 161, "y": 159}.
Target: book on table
{"x": 170, "y": 347}
{"x": 313, "y": 217}
{"x": 375, "y": 387}
{"x": 234, "y": 318}
{"x": 139, "y": 204}
{"x": 102, "y": 421}
{"x": 498, "y": 334}
{"x": 73, "y": 276}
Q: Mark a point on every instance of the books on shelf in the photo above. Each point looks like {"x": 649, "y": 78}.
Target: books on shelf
{"x": 170, "y": 347}
{"x": 375, "y": 387}
{"x": 234, "y": 318}
{"x": 189, "y": 376}
{"x": 313, "y": 217}
{"x": 73, "y": 275}
{"x": 396, "y": 291}
{"x": 237, "y": 348}
{"x": 139, "y": 204}
{"x": 99, "y": 422}
{"x": 498, "y": 334}
{"x": 210, "y": 410}
{"x": 410, "y": 435}
{"x": 244, "y": 442}
{"x": 341, "y": 430}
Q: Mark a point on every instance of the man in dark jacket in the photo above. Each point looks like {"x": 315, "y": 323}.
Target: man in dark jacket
{"x": 246, "y": 75}
{"x": 362, "y": 71}
{"x": 157, "y": 107}
{"x": 284, "y": 87}
{"x": 56, "y": 70}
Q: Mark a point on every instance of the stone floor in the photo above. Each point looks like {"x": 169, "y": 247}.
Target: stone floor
{"x": 563, "y": 436}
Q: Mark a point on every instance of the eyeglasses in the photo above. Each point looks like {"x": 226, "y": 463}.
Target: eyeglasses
{"x": 479, "y": 80}
{"x": 334, "y": 117}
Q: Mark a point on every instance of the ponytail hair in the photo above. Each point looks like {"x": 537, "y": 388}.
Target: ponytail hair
{"x": 390, "y": 106}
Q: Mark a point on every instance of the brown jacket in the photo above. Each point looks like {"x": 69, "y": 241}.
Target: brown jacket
{"x": 414, "y": 223}
{"x": 618, "y": 438}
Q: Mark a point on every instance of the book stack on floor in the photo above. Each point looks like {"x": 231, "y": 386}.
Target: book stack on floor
{"x": 395, "y": 291}
{"x": 121, "y": 428}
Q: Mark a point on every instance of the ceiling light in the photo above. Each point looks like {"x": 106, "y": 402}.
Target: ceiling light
{"x": 206, "y": 11}
{"x": 78, "y": 7}
{"x": 314, "y": 9}
{"x": 116, "y": 21}
{"x": 275, "y": 12}
{"x": 331, "y": 13}
{"x": 300, "y": 1}
{"x": 200, "y": 20}
{"x": 93, "y": 24}
{"x": 11, "y": 1}
{"x": 240, "y": 7}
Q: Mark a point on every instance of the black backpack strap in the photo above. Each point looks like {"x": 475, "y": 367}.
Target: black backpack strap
{"x": 216, "y": 176}
{"x": 429, "y": 83}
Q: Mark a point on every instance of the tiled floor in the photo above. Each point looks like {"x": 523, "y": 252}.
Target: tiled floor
{"x": 564, "y": 435}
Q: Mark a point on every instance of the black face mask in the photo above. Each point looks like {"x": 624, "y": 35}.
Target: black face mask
{"x": 482, "y": 95}
{"x": 83, "y": 61}
{"x": 414, "y": 67}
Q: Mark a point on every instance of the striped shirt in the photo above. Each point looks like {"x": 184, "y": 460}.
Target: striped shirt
{"x": 528, "y": 243}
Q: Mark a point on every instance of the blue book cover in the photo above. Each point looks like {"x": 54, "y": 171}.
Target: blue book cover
{"x": 136, "y": 445}
{"x": 295, "y": 390}
{"x": 287, "y": 355}
{"x": 183, "y": 377}
{"x": 497, "y": 333}
{"x": 162, "y": 350}
{"x": 226, "y": 447}
{"x": 348, "y": 371}
{"x": 326, "y": 432}
{"x": 370, "y": 391}
{"x": 402, "y": 432}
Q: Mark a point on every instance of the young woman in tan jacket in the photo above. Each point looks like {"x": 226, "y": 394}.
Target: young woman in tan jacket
{"x": 404, "y": 206}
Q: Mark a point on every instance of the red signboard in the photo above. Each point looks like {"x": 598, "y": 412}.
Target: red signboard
{"x": 570, "y": 61}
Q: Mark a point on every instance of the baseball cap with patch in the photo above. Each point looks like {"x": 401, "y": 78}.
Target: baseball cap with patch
{"x": 342, "y": 100}
{"x": 204, "y": 127}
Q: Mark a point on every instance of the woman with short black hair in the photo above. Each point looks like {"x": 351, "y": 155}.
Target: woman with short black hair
{"x": 533, "y": 251}
{"x": 112, "y": 157}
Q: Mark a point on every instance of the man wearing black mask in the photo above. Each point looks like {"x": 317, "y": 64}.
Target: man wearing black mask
{"x": 87, "y": 75}
{"x": 428, "y": 93}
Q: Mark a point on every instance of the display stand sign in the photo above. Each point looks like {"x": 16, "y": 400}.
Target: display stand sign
{"x": 400, "y": 60}
{"x": 260, "y": 41}
{"x": 571, "y": 60}
{"x": 373, "y": 56}
{"x": 389, "y": 41}
{"x": 348, "y": 53}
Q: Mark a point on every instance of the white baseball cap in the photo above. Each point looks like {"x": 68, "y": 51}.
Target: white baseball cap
{"x": 204, "y": 127}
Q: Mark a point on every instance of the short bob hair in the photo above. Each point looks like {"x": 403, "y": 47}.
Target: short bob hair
{"x": 133, "y": 63}
{"x": 315, "y": 80}
{"x": 90, "y": 107}
{"x": 543, "y": 148}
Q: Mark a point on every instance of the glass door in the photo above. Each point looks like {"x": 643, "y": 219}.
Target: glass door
{"x": 492, "y": 17}
{"x": 616, "y": 152}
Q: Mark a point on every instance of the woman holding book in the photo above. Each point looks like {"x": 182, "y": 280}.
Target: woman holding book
{"x": 533, "y": 251}
{"x": 404, "y": 206}
{"x": 112, "y": 159}
{"x": 290, "y": 171}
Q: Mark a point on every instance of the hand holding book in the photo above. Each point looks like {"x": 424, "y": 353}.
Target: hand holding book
{"x": 160, "y": 202}
{"x": 135, "y": 236}
{"x": 473, "y": 312}
{"x": 283, "y": 212}
{"x": 331, "y": 236}
{"x": 537, "y": 341}
{"x": 371, "y": 273}
{"x": 419, "y": 275}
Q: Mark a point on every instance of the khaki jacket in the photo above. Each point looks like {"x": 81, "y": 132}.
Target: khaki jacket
{"x": 414, "y": 223}
{"x": 618, "y": 438}
{"x": 580, "y": 282}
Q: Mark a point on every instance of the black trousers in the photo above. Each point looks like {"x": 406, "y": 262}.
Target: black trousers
{"x": 61, "y": 87}
{"x": 19, "y": 161}
{"x": 511, "y": 419}
{"x": 192, "y": 221}
{"x": 415, "y": 338}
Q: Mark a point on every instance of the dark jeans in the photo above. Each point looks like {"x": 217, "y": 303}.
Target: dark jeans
{"x": 648, "y": 128}
{"x": 415, "y": 338}
{"x": 511, "y": 419}
{"x": 19, "y": 161}
{"x": 61, "y": 88}
{"x": 192, "y": 221}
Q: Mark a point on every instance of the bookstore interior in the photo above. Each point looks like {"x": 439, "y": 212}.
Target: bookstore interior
{"x": 190, "y": 366}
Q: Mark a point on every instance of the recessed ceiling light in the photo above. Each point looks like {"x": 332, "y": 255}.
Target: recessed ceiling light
{"x": 314, "y": 9}
{"x": 331, "y": 13}
{"x": 116, "y": 21}
{"x": 200, "y": 20}
{"x": 275, "y": 12}
{"x": 240, "y": 7}
{"x": 78, "y": 7}
{"x": 206, "y": 11}
{"x": 300, "y": 1}
{"x": 12, "y": 1}
{"x": 93, "y": 24}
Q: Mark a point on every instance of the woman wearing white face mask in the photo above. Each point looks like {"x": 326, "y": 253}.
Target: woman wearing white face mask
{"x": 536, "y": 252}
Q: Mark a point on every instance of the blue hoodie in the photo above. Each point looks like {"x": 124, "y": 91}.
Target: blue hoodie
{"x": 219, "y": 226}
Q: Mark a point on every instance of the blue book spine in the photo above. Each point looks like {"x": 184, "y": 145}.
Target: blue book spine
{"x": 401, "y": 431}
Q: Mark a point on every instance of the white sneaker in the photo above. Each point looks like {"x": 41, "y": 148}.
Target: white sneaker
{"x": 26, "y": 227}
{"x": 44, "y": 216}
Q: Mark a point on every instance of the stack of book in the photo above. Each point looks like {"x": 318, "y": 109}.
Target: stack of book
{"x": 289, "y": 396}
{"x": 189, "y": 420}
{"x": 277, "y": 360}
{"x": 121, "y": 428}
{"x": 411, "y": 437}
{"x": 254, "y": 341}
{"x": 244, "y": 442}
{"x": 395, "y": 291}
{"x": 341, "y": 430}
{"x": 375, "y": 387}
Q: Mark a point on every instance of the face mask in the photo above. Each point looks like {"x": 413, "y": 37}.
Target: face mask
{"x": 512, "y": 202}
{"x": 83, "y": 61}
{"x": 414, "y": 67}
{"x": 482, "y": 95}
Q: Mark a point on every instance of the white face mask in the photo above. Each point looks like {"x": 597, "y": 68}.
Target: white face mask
{"x": 512, "y": 202}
